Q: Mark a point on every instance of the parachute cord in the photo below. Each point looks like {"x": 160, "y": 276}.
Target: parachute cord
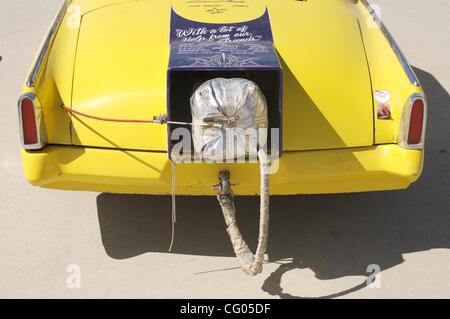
{"x": 174, "y": 203}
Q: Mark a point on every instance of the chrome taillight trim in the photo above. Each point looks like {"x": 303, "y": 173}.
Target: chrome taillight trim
{"x": 406, "y": 122}
{"x": 31, "y": 81}
{"x": 40, "y": 123}
{"x": 400, "y": 56}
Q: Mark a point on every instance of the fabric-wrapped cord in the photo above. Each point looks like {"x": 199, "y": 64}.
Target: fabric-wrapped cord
{"x": 251, "y": 264}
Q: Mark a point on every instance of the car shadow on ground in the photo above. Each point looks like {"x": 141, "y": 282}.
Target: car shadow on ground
{"x": 333, "y": 235}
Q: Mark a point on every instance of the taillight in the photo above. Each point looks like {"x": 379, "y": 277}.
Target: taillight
{"x": 416, "y": 122}
{"x": 32, "y": 125}
{"x": 29, "y": 125}
{"x": 413, "y": 124}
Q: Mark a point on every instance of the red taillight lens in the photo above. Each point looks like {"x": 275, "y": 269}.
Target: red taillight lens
{"x": 416, "y": 122}
{"x": 30, "y": 133}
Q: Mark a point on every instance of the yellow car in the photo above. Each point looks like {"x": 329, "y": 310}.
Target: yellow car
{"x": 351, "y": 113}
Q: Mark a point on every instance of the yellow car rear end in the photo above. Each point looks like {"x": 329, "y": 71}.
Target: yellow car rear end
{"x": 109, "y": 59}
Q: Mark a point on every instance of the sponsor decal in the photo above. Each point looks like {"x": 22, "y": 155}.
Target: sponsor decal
{"x": 384, "y": 112}
{"x": 383, "y": 98}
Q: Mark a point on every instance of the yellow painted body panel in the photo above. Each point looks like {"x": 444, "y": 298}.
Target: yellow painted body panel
{"x": 387, "y": 74}
{"x": 327, "y": 91}
{"x": 122, "y": 74}
{"x": 87, "y": 6}
{"x": 224, "y": 12}
{"x": 54, "y": 84}
{"x": 119, "y": 72}
{"x": 385, "y": 167}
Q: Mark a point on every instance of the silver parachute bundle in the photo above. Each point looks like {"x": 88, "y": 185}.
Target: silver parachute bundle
{"x": 237, "y": 112}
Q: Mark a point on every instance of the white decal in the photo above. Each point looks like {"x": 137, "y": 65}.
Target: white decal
{"x": 382, "y": 96}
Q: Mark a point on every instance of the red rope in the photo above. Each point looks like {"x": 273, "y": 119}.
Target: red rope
{"x": 105, "y": 119}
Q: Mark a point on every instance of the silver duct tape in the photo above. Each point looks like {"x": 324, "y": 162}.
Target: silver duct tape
{"x": 240, "y": 108}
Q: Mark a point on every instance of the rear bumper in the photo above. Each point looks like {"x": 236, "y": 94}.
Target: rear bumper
{"x": 384, "y": 167}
